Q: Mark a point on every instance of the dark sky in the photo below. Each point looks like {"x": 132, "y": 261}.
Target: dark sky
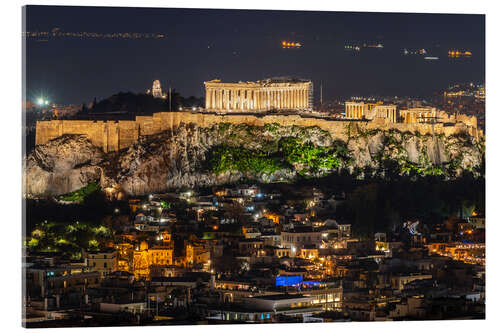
{"x": 235, "y": 45}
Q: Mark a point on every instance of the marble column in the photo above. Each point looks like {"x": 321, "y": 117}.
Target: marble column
{"x": 207, "y": 99}
{"x": 219, "y": 99}
{"x": 212, "y": 99}
{"x": 222, "y": 99}
{"x": 237, "y": 99}
{"x": 222, "y": 96}
{"x": 234, "y": 99}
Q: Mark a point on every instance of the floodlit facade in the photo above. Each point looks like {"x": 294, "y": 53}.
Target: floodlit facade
{"x": 270, "y": 94}
{"x": 419, "y": 115}
{"x": 370, "y": 111}
{"x": 156, "y": 90}
{"x": 102, "y": 261}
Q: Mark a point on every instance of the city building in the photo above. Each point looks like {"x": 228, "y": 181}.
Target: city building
{"x": 298, "y": 238}
{"x": 105, "y": 261}
{"x": 145, "y": 257}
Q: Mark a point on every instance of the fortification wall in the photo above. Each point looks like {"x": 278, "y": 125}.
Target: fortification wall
{"x": 116, "y": 135}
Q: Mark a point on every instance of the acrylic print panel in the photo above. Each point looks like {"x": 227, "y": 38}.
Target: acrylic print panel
{"x": 195, "y": 166}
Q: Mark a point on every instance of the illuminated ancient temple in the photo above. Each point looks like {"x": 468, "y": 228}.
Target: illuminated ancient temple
{"x": 265, "y": 95}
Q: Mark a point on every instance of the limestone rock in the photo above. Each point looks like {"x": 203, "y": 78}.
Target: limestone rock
{"x": 176, "y": 159}
{"x": 63, "y": 165}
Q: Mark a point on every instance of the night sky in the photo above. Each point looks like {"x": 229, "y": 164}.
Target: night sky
{"x": 235, "y": 45}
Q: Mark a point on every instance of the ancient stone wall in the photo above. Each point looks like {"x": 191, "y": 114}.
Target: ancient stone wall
{"x": 116, "y": 135}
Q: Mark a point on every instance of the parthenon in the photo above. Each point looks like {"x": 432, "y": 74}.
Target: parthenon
{"x": 270, "y": 94}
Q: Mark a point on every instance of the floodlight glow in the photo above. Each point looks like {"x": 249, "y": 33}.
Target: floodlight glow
{"x": 39, "y": 101}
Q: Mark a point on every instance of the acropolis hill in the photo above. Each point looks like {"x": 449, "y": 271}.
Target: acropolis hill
{"x": 116, "y": 135}
{"x": 250, "y": 130}
{"x": 260, "y": 103}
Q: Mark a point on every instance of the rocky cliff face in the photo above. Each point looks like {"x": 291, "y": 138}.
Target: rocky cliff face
{"x": 191, "y": 156}
{"x": 63, "y": 165}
